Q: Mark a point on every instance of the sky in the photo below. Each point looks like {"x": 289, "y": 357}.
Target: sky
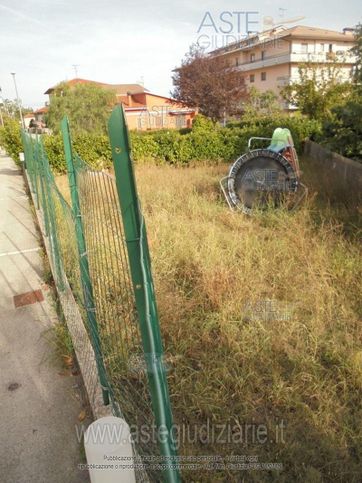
{"x": 122, "y": 41}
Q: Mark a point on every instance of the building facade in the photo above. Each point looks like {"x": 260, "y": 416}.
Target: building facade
{"x": 270, "y": 60}
{"x": 144, "y": 110}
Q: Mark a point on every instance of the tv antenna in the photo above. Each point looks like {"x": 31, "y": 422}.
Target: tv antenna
{"x": 282, "y": 12}
{"x": 75, "y": 67}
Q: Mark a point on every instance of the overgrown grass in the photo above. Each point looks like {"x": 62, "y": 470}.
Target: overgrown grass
{"x": 261, "y": 318}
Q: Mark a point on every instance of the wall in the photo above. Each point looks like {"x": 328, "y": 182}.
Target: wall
{"x": 149, "y": 111}
{"x": 274, "y": 76}
{"x": 337, "y": 177}
{"x": 158, "y": 117}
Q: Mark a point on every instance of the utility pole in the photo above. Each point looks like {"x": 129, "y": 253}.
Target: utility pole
{"x": 18, "y": 100}
{"x": 282, "y": 12}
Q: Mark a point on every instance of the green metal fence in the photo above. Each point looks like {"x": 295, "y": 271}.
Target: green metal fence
{"x": 97, "y": 244}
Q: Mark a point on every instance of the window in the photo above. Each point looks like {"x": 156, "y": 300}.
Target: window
{"x": 263, "y": 76}
{"x": 321, "y": 47}
{"x": 252, "y": 57}
{"x": 262, "y": 54}
{"x": 304, "y": 48}
{"x": 330, "y": 48}
{"x": 180, "y": 120}
{"x": 252, "y": 77}
{"x": 236, "y": 61}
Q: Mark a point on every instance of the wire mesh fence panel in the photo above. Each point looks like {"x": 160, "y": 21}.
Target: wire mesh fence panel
{"x": 66, "y": 264}
{"x": 89, "y": 257}
{"x": 119, "y": 331}
{"x": 71, "y": 292}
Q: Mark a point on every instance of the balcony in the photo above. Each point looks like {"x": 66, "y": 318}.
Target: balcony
{"x": 287, "y": 57}
{"x": 266, "y": 62}
{"x": 323, "y": 57}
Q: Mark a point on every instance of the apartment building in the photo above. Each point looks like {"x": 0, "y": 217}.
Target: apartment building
{"x": 271, "y": 59}
{"x": 143, "y": 109}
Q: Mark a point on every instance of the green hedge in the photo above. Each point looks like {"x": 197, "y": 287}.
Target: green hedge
{"x": 206, "y": 142}
{"x": 10, "y": 138}
{"x": 93, "y": 148}
{"x": 301, "y": 127}
{"x": 212, "y": 143}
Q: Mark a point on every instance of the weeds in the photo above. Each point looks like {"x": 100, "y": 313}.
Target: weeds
{"x": 262, "y": 314}
{"x": 260, "y": 318}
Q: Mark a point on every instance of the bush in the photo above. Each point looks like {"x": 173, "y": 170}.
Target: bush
{"x": 205, "y": 142}
{"x": 93, "y": 148}
{"x": 344, "y": 133}
{"x": 10, "y": 138}
{"x": 301, "y": 127}
{"x": 55, "y": 151}
{"x": 211, "y": 142}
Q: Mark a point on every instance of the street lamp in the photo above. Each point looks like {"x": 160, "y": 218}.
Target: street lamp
{"x": 18, "y": 100}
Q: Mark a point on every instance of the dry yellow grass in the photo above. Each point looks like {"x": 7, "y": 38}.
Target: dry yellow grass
{"x": 260, "y": 316}
{"x": 260, "y": 322}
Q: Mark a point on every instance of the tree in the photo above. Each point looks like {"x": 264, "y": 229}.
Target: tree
{"x": 344, "y": 132}
{"x": 10, "y": 137}
{"x": 318, "y": 90}
{"x": 357, "y": 50}
{"x": 209, "y": 84}
{"x": 260, "y": 104}
{"x": 10, "y": 108}
{"x": 86, "y": 105}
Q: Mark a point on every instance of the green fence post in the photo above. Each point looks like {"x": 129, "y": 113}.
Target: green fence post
{"x": 140, "y": 266}
{"x": 44, "y": 185}
{"x": 83, "y": 260}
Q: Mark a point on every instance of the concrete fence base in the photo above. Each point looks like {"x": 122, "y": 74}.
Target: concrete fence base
{"x": 108, "y": 448}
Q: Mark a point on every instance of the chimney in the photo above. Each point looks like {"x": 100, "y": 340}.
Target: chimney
{"x": 129, "y": 99}
{"x": 348, "y": 30}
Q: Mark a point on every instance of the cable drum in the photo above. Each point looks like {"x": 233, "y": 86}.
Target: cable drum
{"x": 260, "y": 177}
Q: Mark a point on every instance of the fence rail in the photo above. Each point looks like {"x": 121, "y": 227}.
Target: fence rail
{"x": 97, "y": 246}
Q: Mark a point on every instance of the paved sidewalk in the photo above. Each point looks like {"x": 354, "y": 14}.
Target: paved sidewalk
{"x": 39, "y": 407}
